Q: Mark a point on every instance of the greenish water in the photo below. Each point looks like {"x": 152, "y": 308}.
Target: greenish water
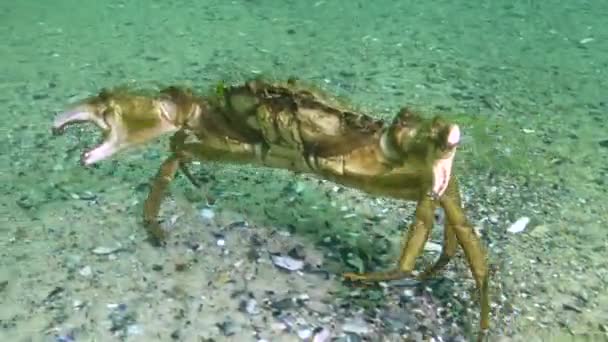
{"x": 527, "y": 80}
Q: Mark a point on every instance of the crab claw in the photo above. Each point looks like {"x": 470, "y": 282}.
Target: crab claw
{"x": 81, "y": 113}
{"x": 442, "y": 167}
{"x": 88, "y": 113}
{"x": 126, "y": 120}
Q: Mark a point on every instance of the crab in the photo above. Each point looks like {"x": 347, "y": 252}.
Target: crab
{"x": 291, "y": 126}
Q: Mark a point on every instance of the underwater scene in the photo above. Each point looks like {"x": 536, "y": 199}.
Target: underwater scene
{"x": 258, "y": 170}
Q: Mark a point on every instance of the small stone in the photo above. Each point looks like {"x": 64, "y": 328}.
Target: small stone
{"x": 87, "y": 196}
{"x": 519, "y": 225}
{"x": 250, "y": 306}
{"x": 77, "y": 304}
{"x": 432, "y": 247}
{"x": 25, "y": 202}
{"x": 287, "y": 263}
{"x": 303, "y": 297}
{"x": 304, "y": 334}
{"x": 86, "y": 271}
{"x": 101, "y": 250}
{"x": 408, "y": 293}
{"x": 300, "y": 186}
{"x": 134, "y": 329}
{"x": 207, "y": 213}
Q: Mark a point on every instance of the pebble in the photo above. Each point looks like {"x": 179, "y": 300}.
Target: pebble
{"x": 250, "y": 306}
{"x": 300, "y": 187}
{"x": 134, "y": 329}
{"x": 432, "y": 247}
{"x": 101, "y": 250}
{"x": 288, "y": 263}
{"x": 408, "y": 293}
{"x": 86, "y": 271}
{"x": 87, "y": 196}
{"x": 207, "y": 213}
{"x": 519, "y": 225}
{"x": 305, "y": 334}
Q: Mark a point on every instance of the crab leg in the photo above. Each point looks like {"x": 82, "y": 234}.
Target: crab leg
{"x": 182, "y": 154}
{"x": 165, "y": 175}
{"x": 473, "y": 250}
{"x": 413, "y": 245}
{"x": 450, "y": 241}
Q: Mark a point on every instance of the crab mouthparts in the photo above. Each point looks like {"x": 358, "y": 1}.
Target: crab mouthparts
{"x": 442, "y": 168}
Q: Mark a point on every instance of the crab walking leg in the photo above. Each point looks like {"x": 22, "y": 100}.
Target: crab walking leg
{"x": 183, "y": 152}
{"x": 473, "y": 250}
{"x": 165, "y": 175}
{"x": 177, "y": 142}
{"x": 450, "y": 246}
{"x": 416, "y": 237}
{"x": 450, "y": 242}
